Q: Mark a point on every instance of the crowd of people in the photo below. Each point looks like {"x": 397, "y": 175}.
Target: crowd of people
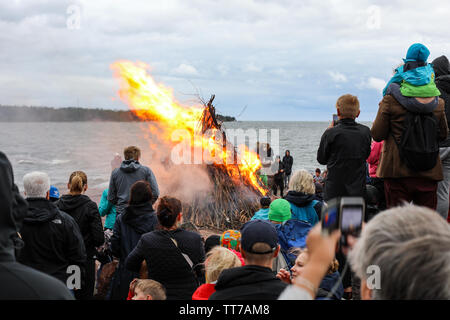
{"x": 59, "y": 247}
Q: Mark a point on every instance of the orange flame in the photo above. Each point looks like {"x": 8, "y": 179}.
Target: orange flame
{"x": 149, "y": 100}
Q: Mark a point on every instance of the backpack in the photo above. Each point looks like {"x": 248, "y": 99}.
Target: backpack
{"x": 419, "y": 146}
{"x": 292, "y": 234}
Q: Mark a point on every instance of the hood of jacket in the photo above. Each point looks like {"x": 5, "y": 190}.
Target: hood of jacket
{"x": 13, "y": 210}
{"x": 130, "y": 165}
{"x": 410, "y": 103}
{"x": 139, "y": 217}
{"x": 441, "y": 66}
{"x": 40, "y": 210}
{"x": 243, "y": 276}
{"x": 69, "y": 202}
{"x": 300, "y": 199}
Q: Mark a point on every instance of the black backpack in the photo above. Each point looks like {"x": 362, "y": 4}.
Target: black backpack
{"x": 419, "y": 144}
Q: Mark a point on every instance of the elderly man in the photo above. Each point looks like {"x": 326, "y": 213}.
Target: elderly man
{"x": 53, "y": 240}
{"x": 19, "y": 281}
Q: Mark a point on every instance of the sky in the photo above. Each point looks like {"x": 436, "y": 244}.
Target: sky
{"x": 282, "y": 60}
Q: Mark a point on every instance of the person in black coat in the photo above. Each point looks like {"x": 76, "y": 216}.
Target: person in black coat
{"x": 173, "y": 255}
{"x": 344, "y": 148}
{"x": 288, "y": 161}
{"x": 139, "y": 218}
{"x": 52, "y": 239}
{"x": 86, "y": 214}
{"x": 20, "y": 282}
{"x": 278, "y": 178}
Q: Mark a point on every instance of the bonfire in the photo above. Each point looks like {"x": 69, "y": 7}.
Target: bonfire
{"x": 235, "y": 185}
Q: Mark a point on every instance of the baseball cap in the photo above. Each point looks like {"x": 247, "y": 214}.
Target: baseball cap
{"x": 54, "y": 192}
{"x": 256, "y": 231}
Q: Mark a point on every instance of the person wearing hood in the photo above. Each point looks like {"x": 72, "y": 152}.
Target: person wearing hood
{"x": 138, "y": 219}
{"x": 442, "y": 70}
{"x": 415, "y": 76}
{"x": 85, "y": 212}
{"x": 52, "y": 239}
{"x": 18, "y": 281}
{"x": 400, "y": 181}
{"x": 255, "y": 280}
{"x": 129, "y": 172}
{"x": 301, "y": 196}
{"x": 288, "y": 161}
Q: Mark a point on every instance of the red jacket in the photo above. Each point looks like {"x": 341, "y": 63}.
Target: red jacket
{"x": 204, "y": 291}
{"x": 374, "y": 158}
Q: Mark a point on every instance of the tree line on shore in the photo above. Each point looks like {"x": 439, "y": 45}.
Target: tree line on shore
{"x": 49, "y": 114}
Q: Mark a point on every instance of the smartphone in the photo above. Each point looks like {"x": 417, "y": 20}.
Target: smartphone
{"x": 352, "y": 212}
{"x": 335, "y": 118}
{"x": 330, "y": 217}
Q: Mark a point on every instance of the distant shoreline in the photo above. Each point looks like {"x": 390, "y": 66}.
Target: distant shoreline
{"x": 71, "y": 114}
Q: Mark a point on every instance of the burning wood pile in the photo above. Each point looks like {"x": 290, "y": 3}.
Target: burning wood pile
{"x": 235, "y": 187}
{"x": 234, "y": 198}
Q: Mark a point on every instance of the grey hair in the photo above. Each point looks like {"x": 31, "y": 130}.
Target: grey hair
{"x": 36, "y": 184}
{"x": 411, "y": 247}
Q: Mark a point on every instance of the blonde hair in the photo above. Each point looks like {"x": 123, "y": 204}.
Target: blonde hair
{"x": 217, "y": 260}
{"x": 152, "y": 288}
{"x": 348, "y": 106}
{"x": 77, "y": 181}
{"x": 302, "y": 181}
{"x": 332, "y": 268}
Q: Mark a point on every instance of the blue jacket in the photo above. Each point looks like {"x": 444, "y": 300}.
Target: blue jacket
{"x": 107, "y": 209}
{"x": 418, "y": 77}
{"x": 304, "y": 207}
{"x": 327, "y": 284}
{"x": 261, "y": 214}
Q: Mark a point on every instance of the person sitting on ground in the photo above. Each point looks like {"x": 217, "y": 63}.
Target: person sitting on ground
{"x": 211, "y": 242}
{"x": 52, "y": 238}
{"x": 85, "y": 212}
{"x": 255, "y": 280}
{"x": 231, "y": 239}
{"x": 217, "y": 260}
{"x": 138, "y": 219}
{"x": 172, "y": 254}
{"x": 407, "y": 244}
{"x": 123, "y": 178}
{"x": 327, "y": 284}
{"x": 146, "y": 289}
{"x": 301, "y": 196}
{"x": 263, "y": 213}
{"x": 53, "y": 195}
{"x": 18, "y": 281}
